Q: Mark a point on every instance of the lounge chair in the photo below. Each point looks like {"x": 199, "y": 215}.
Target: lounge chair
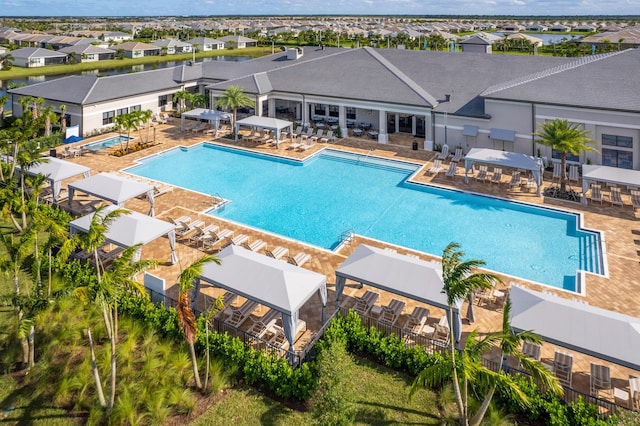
{"x": 596, "y": 193}
{"x": 188, "y": 227}
{"x": 390, "y": 313}
{"x": 457, "y": 156}
{"x": 227, "y": 299}
{"x": 215, "y": 237}
{"x": 200, "y": 127}
{"x": 635, "y": 198}
{"x": 299, "y": 259}
{"x": 250, "y": 136}
{"x": 240, "y": 315}
{"x": 296, "y": 144}
{"x": 600, "y": 379}
{"x": 496, "y": 177}
{"x": 256, "y": 246}
{"x": 308, "y": 144}
{"x": 262, "y": 325}
{"x": 318, "y": 135}
{"x": 365, "y": 303}
{"x": 437, "y": 167}
{"x": 451, "y": 171}
{"x": 515, "y": 179}
{"x": 417, "y": 320}
{"x": 179, "y": 222}
{"x": 563, "y": 367}
{"x": 442, "y": 155}
{"x": 441, "y": 333}
{"x": 616, "y": 197}
{"x": 557, "y": 171}
{"x": 161, "y": 190}
{"x": 573, "y": 173}
{"x": 482, "y": 173}
{"x": 531, "y": 350}
{"x": 328, "y": 137}
{"x": 304, "y": 136}
{"x": 230, "y": 240}
{"x": 484, "y": 295}
{"x": 202, "y": 233}
{"x": 277, "y": 252}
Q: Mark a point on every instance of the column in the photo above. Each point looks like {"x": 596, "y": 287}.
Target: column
{"x": 272, "y": 107}
{"x": 428, "y": 132}
{"x": 383, "y": 137}
{"x": 258, "y": 107}
{"x": 305, "y": 114}
{"x": 342, "y": 120}
{"x": 414, "y": 127}
{"x": 298, "y": 110}
{"x": 397, "y": 124}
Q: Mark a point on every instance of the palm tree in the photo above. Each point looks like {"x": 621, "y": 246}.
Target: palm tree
{"x": 186, "y": 316}
{"x": 3, "y": 100}
{"x": 63, "y": 120}
{"x": 565, "y": 137}
{"x": 6, "y": 61}
{"x": 181, "y": 98}
{"x": 127, "y": 122}
{"x": 234, "y": 97}
{"x": 145, "y": 118}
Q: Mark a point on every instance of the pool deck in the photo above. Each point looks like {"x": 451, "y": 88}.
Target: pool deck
{"x": 617, "y": 292}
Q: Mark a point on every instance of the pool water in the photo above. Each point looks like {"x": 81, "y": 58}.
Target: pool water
{"x": 316, "y": 201}
{"x": 106, "y": 143}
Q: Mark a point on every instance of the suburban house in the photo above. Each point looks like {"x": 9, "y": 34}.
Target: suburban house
{"x": 536, "y": 27}
{"x": 560, "y": 28}
{"x": 88, "y": 53}
{"x": 116, "y": 36}
{"x": 238, "y": 42}
{"x": 476, "y": 44}
{"x": 464, "y": 100}
{"x": 136, "y": 49}
{"x": 203, "y": 44}
{"x": 172, "y": 46}
{"x": 30, "y": 57}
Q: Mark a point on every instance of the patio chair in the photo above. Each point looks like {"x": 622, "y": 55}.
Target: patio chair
{"x": 484, "y": 295}
{"x": 187, "y": 228}
{"x": 417, "y": 320}
{"x": 230, "y": 240}
{"x": 457, "y": 156}
{"x": 318, "y": 135}
{"x": 215, "y": 237}
{"x": 264, "y": 324}
{"x": 441, "y": 333}
{"x": 573, "y": 173}
{"x": 305, "y": 135}
{"x": 299, "y": 259}
{"x": 596, "y": 193}
{"x": 201, "y": 233}
{"x": 515, "y": 179}
{"x": 256, "y": 246}
{"x": 390, "y": 313}
{"x": 240, "y": 315}
{"x": 250, "y": 136}
{"x": 616, "y": 197}
{"x": 531, "y": 350}
{"x": 442, "y": 155}
{"x": 557, "y": 171}
{"x": 328, "y": 137}
{"x": 600, "y": 380}
{"x": 308, "y": 144}
{"x": 497, "y": 176}
{"x": 437, "y": 167}
{"x": 483, "y": 172}
{"x": 635, "y": 199}
{"x": 563, "y": 367}
{"x": 277, "y": 252}
{"x": 227, "y": 299}
{"x": 365, "y": 302}
{"x": 451, "y": 171}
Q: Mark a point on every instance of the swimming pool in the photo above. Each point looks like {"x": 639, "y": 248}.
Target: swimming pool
{"x": 106, "y": 143}
{"x": 319, "y": 199}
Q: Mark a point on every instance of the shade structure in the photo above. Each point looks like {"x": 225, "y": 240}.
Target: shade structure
{"x": 578, "y": 326}
{"x": 57, "y": 170}
{"x": 270, "y": 282}
{"x": 504, "y": 159}
{"x": 128, "y": 230}
{"x": 112, "y": 188}
{"x": 399, "y": 274}
{"x": 265, "y": 123}
{"x": 615, "y": 175}
{"x": 211, "y": 115}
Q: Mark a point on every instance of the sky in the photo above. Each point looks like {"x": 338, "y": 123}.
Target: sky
{"x": 47, "y": 8}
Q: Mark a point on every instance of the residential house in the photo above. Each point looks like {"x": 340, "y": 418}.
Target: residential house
{"x": 560, "y": 28}
{"x": 476, "y": 44}
{"x": 238, "y": 42}
{"x": 172, "y": 46}
{"x": 88, "y": 53}
{"x": 30, "y": 57}
{"x": 116, "y": 36}
{"x": 205, "y": 44}
{"x": 136, "y": 49}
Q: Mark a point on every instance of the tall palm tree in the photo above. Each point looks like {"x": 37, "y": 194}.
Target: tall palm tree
{"x": 127, "y": 123}
{"x": 565, "y": 137}
{"x": 6, "y": 62}
{"x": 3, "y": 100}
{"x": 145, "y": 118}
{"x": 234, "y": 97}
{"x": 181, "y": 99}
{"x": 186, "y": 316}
{"x": 63, "y": 120}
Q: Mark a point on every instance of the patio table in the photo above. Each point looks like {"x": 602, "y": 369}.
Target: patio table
{"x": 357, "y": 132}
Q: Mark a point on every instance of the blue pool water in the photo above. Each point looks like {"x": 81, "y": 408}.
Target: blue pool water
{"x": 334, "y": 192}
{"x": 105, "y": 143}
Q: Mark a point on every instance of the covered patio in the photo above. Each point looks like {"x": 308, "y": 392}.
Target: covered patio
{"x": 131, "y": 229}
{"x": 270, "y": 282}
{"x": 504, "y": 159}
{"x": 57, "y": 170}
{"x": 399, "y": 274}
{"x": 274, "y": 124}
{"x": 609, "y": 175}
{"x": 112, "y": 188}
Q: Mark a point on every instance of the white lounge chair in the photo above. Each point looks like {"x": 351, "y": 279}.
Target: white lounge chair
{"x": 600, "y": 380}
{"x": 188, "y": 227}
{"x": 299, "y": 259}
{"x": 240, "y": 315}
{"x": 318, "y": 135}
{"x": 563, "y": 367}
{"x": 442, "y": 155}
{"x": 557, "y": 171}
{"x": 635, "y": 198}
{"x": 235, "y": 241}
{"x": 616, "y": 197}
{"x": 437, "y": 167}
{"x": 515, "y": 179}
{"x": 451, "y": 171}
{"x": 531, "y": 350}
{"x": 328, "y": 137}
{"x": 250, "y": 136}
{"x": 417, "y": 320}
{"x": 202, "y": 233}
{"x": 390, "y": 313}
{"x": 215, "y": 237}
{"x": 482, "y": 173}
{"x": 573, "y": 173}
{"x": 497, "y": 176}
{"x": 256, "y": 246}
{"x": 277, "y": 252}
{"x": 309, "y": 143}
{"x": 457, "y": 156}
{"x": 262, "y": 325}
{"x": 596, "y": 193}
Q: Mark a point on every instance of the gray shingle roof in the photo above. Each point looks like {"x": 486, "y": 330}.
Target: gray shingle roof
{"x": 36, "y": 52}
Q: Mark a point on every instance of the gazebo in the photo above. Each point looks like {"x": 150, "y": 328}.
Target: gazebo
{"x": 615, "y": 175}
{"x": 504, "y": 159}
{"x": 210, "y": 115}
{"x": 270, "y": 282}
{"x": 112, "y": 188}
{"x": 399, "y": 274}
{"x": 266, "y": 123}
{"x": 128, "y": 230}
{"x": 57, "y": 170}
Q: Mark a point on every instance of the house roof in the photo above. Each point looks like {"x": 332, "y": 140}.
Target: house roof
{"x": 36, "y": 52}
{"x": 86, "y": 49}
{"x": 204, "y": 40}
{"x": 170, "y": 43}
{"x": 136, "y": 45}
{"x": 237, "y": 39}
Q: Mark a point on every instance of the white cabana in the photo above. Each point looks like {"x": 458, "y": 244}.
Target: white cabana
{"x": 399, "y": 274}
{"x": 112, "y": 188}
{"x": 270, "y": 282}
{"x": 265, "y": 123}
{"x": 131, "y": 229}
{"x": 615, "y": 175}
{"x": 57, "y": 170}
{"x": 578, "y": 326}
{"x": 504, "y": 159}
{"x": 210, "y": 115}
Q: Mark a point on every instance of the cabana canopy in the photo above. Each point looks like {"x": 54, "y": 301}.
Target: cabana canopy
{"x": 130, "y": 229}
{"x": 57, "y": 170}
{"x": 210, "y": 115}
{"x": 504, "y": 159}
{"x": 591, "y": 173}
{"x": 270, "y": 282}
{"x": 112, "y": 188}
{"x": 578, "y": 326}
{"x": 398, "y": 274}
{"x": 266, "y": 123}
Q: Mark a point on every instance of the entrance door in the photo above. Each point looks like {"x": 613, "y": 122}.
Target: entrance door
{"x": 391, "y": 123}
{"x": 404, "y": 123}
{"x": 420, "y": 127}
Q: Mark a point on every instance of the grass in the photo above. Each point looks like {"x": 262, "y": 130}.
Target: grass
{"x": 18, "y": 72}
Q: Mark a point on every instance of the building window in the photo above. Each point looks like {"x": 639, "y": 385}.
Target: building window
{"x": 351, "y": 113}
{"x": 570, "y": 157}
{"x": 135, "y": 108}
{"x": 618, "y": 152}
{"x": 162, "y": 100}
{"x": 107, "y": 117}
{"x": 122, "y": 111}
{"x": 319, "y": 109}
{"x": 334, "y": 111}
